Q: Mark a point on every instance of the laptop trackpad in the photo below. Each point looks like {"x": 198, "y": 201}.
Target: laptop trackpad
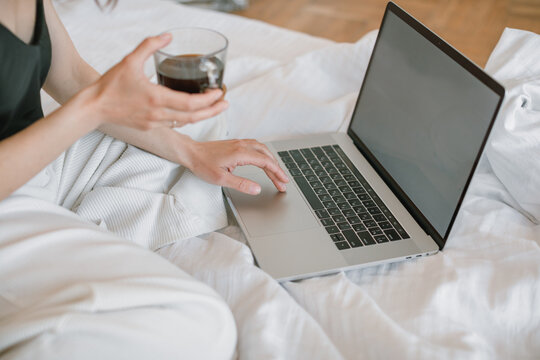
{"x": 271, "y": 212}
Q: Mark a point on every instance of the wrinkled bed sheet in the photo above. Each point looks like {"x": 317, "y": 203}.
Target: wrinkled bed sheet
{"x": 479, "y": 298}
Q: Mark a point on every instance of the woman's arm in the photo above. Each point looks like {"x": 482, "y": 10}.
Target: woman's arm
{"x": 163, "y": 141}
{"x": 111, "y": 99}
{"x": 24, "y": 154}
{"x": 123, "y": 96}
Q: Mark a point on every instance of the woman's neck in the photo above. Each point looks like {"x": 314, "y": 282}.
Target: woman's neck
{"x": 19, "y": 17}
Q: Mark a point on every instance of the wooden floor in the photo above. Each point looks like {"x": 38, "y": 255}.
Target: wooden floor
{"x": 471, "y": 26}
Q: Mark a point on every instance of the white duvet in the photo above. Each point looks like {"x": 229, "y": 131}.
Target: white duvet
{"x": 478, "y": 299}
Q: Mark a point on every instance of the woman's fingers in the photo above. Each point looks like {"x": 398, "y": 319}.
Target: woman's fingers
{"x": 280, "y": 174}
{"x": 181, "y": 118}
{"x": 266, "y": 163}
{"x": 181, "y": 101}
{"x": 241, "y": 184}
{"x": 214, "y": 161}
{"x": 263, "y": 149}
{"x": 148, "y": 47}
{"x": 277, "y": 182}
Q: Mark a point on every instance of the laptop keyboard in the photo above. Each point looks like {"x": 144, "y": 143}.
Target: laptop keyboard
{"x": 345, "y": 203}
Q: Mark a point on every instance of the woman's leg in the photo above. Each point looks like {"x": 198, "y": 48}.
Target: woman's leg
{"x": 70, "y": 290}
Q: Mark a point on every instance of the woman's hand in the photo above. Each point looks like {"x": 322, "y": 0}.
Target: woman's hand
{"x": 214, "y": 162}
{"x": 125, "y": 96}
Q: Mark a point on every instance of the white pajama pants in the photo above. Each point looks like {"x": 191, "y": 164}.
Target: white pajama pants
{"x": 70, "y": 290}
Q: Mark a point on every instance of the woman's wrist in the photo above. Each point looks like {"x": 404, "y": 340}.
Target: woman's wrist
{"x": 85, "y": 108}
{"x": 185, "y": 149}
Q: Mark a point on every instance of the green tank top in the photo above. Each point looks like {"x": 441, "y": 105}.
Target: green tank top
{"x": 23, "y": 70}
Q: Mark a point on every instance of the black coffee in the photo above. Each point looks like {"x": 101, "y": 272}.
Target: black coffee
{"x": 186, "y": 75}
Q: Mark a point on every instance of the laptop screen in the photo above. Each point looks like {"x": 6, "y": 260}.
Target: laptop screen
{"x": 423, "y": 117}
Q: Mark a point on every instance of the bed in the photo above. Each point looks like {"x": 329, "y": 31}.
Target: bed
{"x": 478, "y": 299}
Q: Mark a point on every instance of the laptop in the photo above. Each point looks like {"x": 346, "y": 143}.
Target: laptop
{"x": 388, "y": 189}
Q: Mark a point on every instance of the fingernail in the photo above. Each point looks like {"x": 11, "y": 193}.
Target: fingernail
{"x": 255, "y": 189}
{"x": 165, "y": 36}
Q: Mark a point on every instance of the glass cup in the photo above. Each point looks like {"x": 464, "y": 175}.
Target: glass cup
{"x": 194, "y": 60}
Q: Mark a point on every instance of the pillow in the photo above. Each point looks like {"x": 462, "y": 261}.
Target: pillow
{"x": 514, "y": 148}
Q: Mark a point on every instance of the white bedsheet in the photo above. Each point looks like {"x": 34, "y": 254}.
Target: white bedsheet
{"x": 480, "y": 298}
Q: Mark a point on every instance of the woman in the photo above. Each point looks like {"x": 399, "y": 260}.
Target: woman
{"x": 121, "y": 103}
{"x": 65, "y": 310}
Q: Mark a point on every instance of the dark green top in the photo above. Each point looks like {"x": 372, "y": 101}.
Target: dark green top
{"x": 23, "y": 70}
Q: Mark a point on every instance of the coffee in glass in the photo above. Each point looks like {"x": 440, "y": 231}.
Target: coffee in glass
{"x": 194, "y": 60}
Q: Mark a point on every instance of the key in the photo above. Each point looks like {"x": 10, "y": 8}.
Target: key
{"x": 344, "y": 206}
{"x": 392, "y": 235}
{"x": 402, "y": 232}
{"x": 334, "y": 211}
{"x": 343, "y": 226}
{"x": 359, "y": 209}
{"x": 364, "y": 197}
{"x": 291, "y": 166}
{"x": 296, "y": 155}
{"x": 329, "y": 204}
{"x": 332, "y": 170}
{"x": 364, "y": 216}
{"x": 308, "y": 193}
{"x": 322, "y": 214}
{"x": 317, "y": 151}
{"x": 287, "y": 159}
{"x": 325, "y": 197}
{"x": 331, "y": 186}
{"x": 327, "y": 222}
{"x": 352, "y": 238}
{"x": 368, "y": 203}
{"x": 349, "y": 213}
{"x": 355, "y": 202}
{"x": 370, "y": 223}
{"x": 334, "y": 192}
{"x": 332, "y": 229}
{"x": 354, "y": 220}
{"x": 326, "y": 180}
{"x": 339, "y": 218}
{"x": 307, "y": 153}
{"x": 366, "y": 238}
{"x": 295, "y": 172}
{"x": 339, "y": 199}
{"x": 337, "y": 237}
{"x": 375, "y": 231}
{"x": 342, "y": 245}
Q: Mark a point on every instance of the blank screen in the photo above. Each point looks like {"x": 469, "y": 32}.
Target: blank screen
{"x": 424, "y": 117}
